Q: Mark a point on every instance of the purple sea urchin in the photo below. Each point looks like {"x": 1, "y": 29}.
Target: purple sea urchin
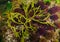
{"x": 54, "y": 17}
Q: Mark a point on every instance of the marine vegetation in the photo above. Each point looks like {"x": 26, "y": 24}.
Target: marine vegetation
{"x": 30, "y": 21}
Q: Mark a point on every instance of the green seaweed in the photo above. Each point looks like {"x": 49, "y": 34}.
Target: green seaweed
{"x": 11, "y": 15}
